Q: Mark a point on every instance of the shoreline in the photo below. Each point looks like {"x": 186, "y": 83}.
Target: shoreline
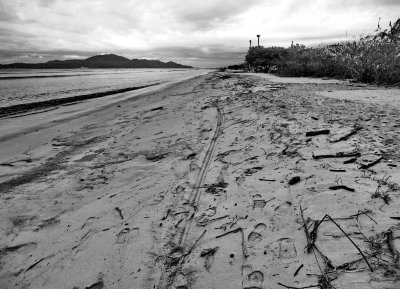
{"x": 205, "y": 183}
{"x": 25, "y": 107}
{"x": 16, "y": 125}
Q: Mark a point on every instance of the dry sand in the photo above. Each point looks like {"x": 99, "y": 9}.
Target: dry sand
{"x": 209, "y": 183}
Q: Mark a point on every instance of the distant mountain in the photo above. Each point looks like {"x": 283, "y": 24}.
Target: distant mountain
{"x": 98, "y": 61}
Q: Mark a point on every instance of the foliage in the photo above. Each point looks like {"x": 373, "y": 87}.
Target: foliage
{"x": 371, "y": 59}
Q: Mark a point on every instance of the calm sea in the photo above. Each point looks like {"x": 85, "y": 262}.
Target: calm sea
{"x": 22, "y": 86}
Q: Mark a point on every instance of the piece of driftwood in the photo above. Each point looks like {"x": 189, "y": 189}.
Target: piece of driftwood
{"x": 318, "y": 132}
{"x": 298, "y": 270}
{"x": 166, "y": 215}
{"x": 291, "y": 287}
{"x": 366, "y": 166}
{"x": 350, "y": 161}
{"x": 157, "y": 108}
{"x": 229, "y": 232}
{"x": 342, "y": 187}
{"x": 337, "y": 155}
{"x": 119, "y": 212}
{"x": 195, "y": 243}
{"x": 345, "y": 136}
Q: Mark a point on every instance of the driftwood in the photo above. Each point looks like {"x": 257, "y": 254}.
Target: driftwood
{"x": 346, "y": 136}
{"x": 350, "y": 161}
{"x": 366, "y": 166}
{"x": 195, "y": 243}
{"x": 298, "y": 270}
{"x": 318, "y": 132}
{"x": 291, "y": 287}
{"x": 342, "y": 187}
{"x": 119, "y": 212}
{"x": 166, "y": 215}
{"x": 157, "y": 108}
{"x": 337, "y": 155}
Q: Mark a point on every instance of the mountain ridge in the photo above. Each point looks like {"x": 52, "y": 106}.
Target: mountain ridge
{"x": 97, "y": 61}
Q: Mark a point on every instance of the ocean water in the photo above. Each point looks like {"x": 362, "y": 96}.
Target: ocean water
{"x": 31, "y": 85}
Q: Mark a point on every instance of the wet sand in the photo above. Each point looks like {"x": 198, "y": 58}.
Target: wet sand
{"x": 208, "y": 183}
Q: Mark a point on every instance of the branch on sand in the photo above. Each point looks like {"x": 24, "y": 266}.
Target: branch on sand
{"x": 311, "y": 237}
{"x": 244, "y": 250}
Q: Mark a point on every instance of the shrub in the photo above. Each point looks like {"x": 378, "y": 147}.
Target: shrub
{"x": 371, "y": 59}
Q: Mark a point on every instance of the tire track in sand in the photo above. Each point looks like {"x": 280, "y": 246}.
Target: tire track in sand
{"x": 198, "y": 186}
{"x": 170, "y": 271}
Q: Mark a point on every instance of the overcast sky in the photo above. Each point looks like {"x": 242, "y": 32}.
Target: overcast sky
{"x": 202, "y": 33}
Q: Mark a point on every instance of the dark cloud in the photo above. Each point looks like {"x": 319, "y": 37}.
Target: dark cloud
{"x": 200, "y": 33}
{"x": 206, "y": 14}
{"x": 7, "y": 14}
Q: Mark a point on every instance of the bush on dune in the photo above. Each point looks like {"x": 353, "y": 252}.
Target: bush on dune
{"x": 370, "y": 59}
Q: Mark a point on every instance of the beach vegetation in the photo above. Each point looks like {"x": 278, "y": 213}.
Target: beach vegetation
{"x": 373, "y": 58}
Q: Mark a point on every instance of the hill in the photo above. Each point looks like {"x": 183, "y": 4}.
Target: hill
{"x": 97, "y": 61}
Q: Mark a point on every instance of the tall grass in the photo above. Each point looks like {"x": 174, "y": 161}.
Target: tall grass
{"x": 371, "y": 59}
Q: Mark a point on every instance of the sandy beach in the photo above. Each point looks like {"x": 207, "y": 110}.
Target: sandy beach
{"x": 221, "y": 181}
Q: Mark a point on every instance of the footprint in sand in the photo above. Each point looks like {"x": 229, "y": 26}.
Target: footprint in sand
{"x": 259, "y": 204}
{"x": 211, "y": 211}
{"x": 179, "y": 189}
{"x": 256, "y": 276}
{"x": 126, "y": 235}
{"x": 255, "y": 236}
{"x": 158, "y": 199}
{"x": 181, "y": 281}
{"x": 254, "y": 280}
{"x": 287, "y": 250}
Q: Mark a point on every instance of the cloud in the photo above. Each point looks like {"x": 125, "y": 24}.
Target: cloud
{"x": 192, "y": 31}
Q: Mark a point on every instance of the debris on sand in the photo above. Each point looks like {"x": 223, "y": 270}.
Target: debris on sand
{"x": 250, "y": 171}
{"x": 155, "y": 157}
{"x": 345, "y": 136}
{"x": 366, "y": 166}
{"x": 119, "y": 212}
{"x": 294, "y": 180}
{"x": 216, "y": 188}
{"x": 318, "y": 132}
{"x": 97, "y": 285}
{"x": 350, "y": 161}
{"x": 342, "y": 187}
{"x": 337, "y": 170}
{"x": 157, "y": 108}
{"x": 208, "y": 254}
{"x": 344, "y": 154}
